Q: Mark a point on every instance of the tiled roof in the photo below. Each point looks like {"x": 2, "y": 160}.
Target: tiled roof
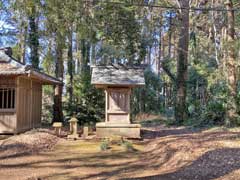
{"x": 10, "y": 66}
{"x": 118, "y": 75}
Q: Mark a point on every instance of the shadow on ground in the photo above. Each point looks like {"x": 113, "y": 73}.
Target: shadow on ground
{"x": 155, "y": 128}
{"x": 211, "y": 165}
{"x": 164, "y": 157}
{"x": 153, "y": 134}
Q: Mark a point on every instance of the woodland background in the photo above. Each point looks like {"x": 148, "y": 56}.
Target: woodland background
{"x": 191, "y": 49}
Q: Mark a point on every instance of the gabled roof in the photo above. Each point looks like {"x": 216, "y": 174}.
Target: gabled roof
{"x": 118, "y": 75}
{"x": 10, "y": 66}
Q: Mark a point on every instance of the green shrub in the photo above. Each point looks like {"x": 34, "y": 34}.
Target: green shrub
{"x": 104, "y": 145}
{"x": 128, "y": 146}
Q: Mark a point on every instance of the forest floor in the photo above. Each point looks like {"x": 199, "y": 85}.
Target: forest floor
{"x": 169, "y": 153}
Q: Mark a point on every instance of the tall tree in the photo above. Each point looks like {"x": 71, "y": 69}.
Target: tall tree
{"x": 33, "y": 39}
{"x": 119, "y": 30}
{"x": 182, "y": 61}
{"x": 70, "y": 65}
{"x": 26, "y": 14}
{"x": 58, "y": 89}
{"x": 55, "y": 25}
{"x": 231, "y": 64}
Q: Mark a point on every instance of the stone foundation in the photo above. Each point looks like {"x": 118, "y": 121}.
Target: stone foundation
{"x": 124, "y": 130}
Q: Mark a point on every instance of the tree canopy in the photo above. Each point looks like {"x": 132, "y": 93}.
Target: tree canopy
{"x": 191, "y": 49}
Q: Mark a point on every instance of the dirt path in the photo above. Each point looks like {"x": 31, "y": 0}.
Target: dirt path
{"x": 165, "y": 153}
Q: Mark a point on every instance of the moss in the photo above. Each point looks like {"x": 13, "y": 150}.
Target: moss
{"x": 105, "y": 145}
{"x": 93, "y": 147}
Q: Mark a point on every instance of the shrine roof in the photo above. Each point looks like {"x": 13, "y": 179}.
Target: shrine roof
{"x": 9, "y": 66}
{"x": 118, "y": 75}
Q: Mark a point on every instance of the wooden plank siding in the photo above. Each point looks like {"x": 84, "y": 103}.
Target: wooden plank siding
{"x": 23, "y": 105}
{"x": 26, "y": 113}
{"x": 20, "y": 94}
{"x": 8, "y": 118}
{"x": 118, "y": 105}
{"x": 36, "y": 104}
{"x": 7, "y": 122}
{"x": 29, "y": 104}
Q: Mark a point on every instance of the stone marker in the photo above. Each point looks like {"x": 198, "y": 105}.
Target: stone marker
{"x": 73, "y": 128}
{"x": 58, "y": 128}
{"x": 85, "y": 131}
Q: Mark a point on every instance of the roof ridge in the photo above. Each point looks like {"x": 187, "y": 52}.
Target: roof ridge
{"x": 120, "y": 66}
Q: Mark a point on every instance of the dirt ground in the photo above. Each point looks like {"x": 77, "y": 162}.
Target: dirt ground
{"x": 164, "y": 153}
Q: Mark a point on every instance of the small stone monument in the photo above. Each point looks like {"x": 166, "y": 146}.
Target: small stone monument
{"x": 73, "y": 128}
{"x": 85, "y": 131}
{"x": 58, "y": 127}
{"x": 118, "y": 81}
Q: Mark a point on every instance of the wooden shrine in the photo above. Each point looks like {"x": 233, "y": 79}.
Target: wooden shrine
{"x": 20, "y": 94}
{"x": 117, "y": 81}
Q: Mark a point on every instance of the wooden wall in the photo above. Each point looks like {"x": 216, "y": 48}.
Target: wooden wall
{"x": 8, "y": 118}
{"x": 23, "y": 105}
{"x": 29, "y": 104}
{"x": 118, "y": 105}
{"x": 7, "y": 122}
{"x": 36, "y": 104}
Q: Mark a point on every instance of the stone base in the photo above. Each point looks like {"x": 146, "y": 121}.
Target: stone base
{"x": 73, "y": 136}
{"x": 125, "y": 130}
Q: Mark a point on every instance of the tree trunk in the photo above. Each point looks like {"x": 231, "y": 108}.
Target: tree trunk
{"x": 159, "y": 52}
{"x": 163, "y": 46}
{"x": 170, "y": 35}
{"x": 231, "y": 65}
{"x": 182, "y": 63}
{"x": 83, "y": 55}
{"x": 70, "y": 67}
{"x": 93, "y": 54}
{"x": 85, "y": 51}
{"x": 23, "y": 39}
{"x": 79, "y": 55}
{"x": 149, "y": 55}
{"x": 33, "y": 38}
{"x": 215, "y": 34}
{"x": 57, "y": 106}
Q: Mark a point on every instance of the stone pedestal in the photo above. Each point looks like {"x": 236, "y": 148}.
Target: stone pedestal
{"x": 117, "y": 115}
{"x": 124, "y": 130}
